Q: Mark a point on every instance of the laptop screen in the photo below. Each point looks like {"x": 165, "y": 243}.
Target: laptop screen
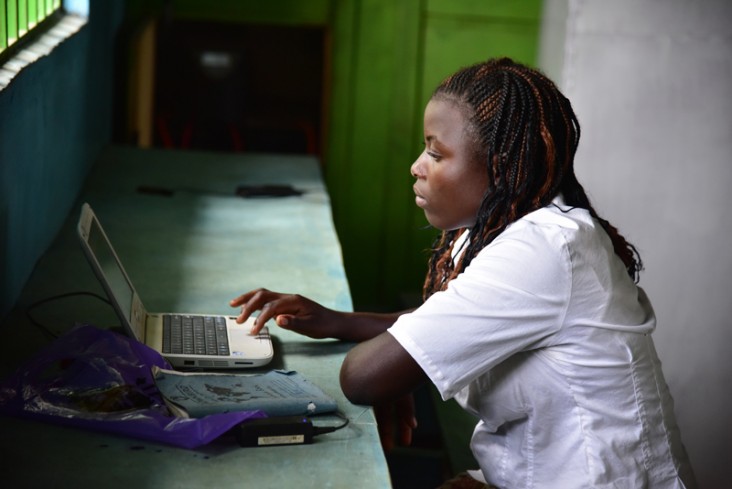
{"x": 116, "y": 279}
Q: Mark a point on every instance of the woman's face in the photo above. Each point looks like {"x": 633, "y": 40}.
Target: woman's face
{"x": 450, "y": 182}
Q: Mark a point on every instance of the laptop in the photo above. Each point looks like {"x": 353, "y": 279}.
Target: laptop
{"x": 185, "y": 340}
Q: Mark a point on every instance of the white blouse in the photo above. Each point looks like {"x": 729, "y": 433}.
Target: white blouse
{"x": 546, "y": 339}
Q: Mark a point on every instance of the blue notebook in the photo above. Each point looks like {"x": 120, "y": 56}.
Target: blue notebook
{"x": 276, "y": 393}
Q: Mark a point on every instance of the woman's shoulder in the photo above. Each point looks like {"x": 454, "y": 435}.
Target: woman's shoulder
{"x": 541, "y": 246}
{"x": 557, "y": 225}
{"x": 560, "y": 215}
{"x": 554, "y": 223}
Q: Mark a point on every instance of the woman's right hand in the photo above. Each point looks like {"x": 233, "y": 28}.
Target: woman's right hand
{"x": 290, "y": 311}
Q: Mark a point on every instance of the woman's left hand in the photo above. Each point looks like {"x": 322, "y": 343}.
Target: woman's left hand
{"x": 396, "y": 421}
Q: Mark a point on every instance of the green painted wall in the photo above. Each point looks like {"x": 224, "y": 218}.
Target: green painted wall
{"x": 55, "y": 116}
{"x": 300, "y": 12}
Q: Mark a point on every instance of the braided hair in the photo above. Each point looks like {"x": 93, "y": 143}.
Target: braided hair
{"x": 526, "y": 133}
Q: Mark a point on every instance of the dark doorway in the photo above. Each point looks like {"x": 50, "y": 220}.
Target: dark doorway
{"x": 239, "y": 87}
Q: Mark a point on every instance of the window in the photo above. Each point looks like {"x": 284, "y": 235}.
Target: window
{"x": 30, "y": 29}
{"x": 19, "y": 17}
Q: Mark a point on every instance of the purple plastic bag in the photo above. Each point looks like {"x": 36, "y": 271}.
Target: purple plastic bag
{"x": 100, "y": 380}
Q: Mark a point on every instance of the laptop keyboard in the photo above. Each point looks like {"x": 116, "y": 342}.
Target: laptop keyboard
{"x": 195, "y": 335}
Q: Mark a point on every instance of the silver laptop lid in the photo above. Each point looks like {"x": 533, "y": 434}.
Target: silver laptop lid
{"x": 111, "y": 273}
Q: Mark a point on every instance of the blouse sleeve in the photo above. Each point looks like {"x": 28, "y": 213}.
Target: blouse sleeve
{"x": 512, "y": 297}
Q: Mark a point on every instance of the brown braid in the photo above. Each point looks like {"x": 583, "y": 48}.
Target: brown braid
{"x": 527, "y": 134}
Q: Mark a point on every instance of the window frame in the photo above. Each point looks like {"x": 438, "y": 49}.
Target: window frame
{"x": 23, "y": 21}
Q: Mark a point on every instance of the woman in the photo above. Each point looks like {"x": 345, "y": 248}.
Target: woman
{"x": 532, "y": 319}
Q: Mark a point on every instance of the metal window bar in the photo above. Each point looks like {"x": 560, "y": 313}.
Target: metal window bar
{"x": 19, "y": 18}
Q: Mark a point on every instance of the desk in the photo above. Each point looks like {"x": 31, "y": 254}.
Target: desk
{"x": 193, "y": 251}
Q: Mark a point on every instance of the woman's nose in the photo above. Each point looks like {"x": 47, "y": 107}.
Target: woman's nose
{"x": 416, "y": 168}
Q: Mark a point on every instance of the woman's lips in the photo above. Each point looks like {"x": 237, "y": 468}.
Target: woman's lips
{"x": 418, "y": 199}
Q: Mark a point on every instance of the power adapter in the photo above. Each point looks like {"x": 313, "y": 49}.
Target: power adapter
{"x": 283, "y": 430}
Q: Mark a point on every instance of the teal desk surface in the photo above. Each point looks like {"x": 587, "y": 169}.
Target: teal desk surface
{"x": 191, "y": 249}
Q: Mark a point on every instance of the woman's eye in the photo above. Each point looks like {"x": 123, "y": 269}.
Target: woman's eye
{"x": 434, "y": 156}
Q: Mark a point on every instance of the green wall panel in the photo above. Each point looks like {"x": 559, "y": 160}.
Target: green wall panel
{"x": 300, "y": 12}
{"x": 372, "y": 140}
{"x": 451, "y": 43}
{"x": 529, "y": 10}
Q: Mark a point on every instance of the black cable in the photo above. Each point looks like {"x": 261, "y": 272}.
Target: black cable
{"x": 321, "y": 430}
{"x": 45, "y": 329}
